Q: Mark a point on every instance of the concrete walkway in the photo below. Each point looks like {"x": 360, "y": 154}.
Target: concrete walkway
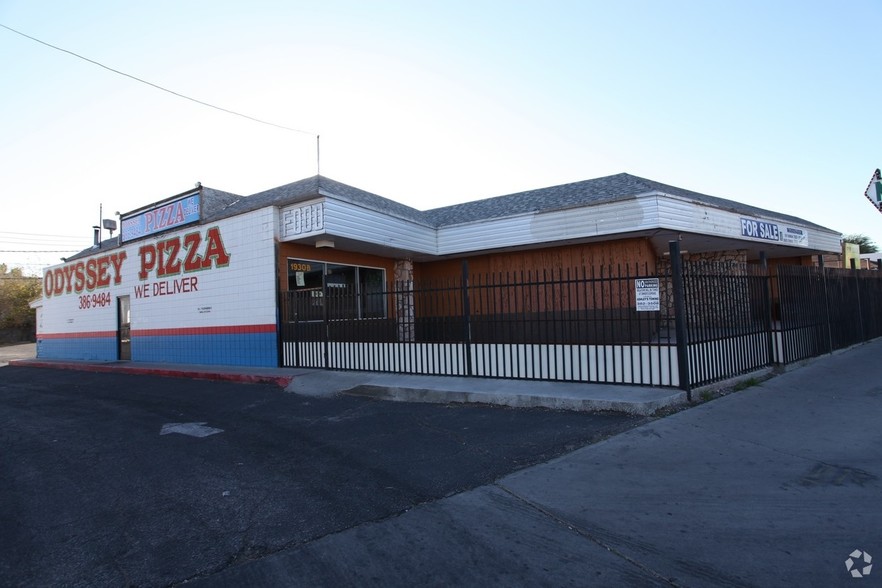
{"x": 636, "y": 400}
{"x": 21, "y": 351}
{"x": 515, "y": 393}
{"x": 776, "y": 485}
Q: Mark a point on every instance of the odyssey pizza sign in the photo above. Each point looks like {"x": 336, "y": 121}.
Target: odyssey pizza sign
{"x": 166, "y": 215}
{"x": 164, "y": 260}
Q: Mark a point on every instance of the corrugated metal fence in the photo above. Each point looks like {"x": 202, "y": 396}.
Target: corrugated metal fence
{"x": 685, "y": 326}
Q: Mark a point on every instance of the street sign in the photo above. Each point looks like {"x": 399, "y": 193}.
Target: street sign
{"x": 874, "y": 190}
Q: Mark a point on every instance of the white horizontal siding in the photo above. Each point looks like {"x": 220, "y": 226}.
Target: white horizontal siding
{"x": 547, "y": 227}
{"x": 681, "y": 215}
{"x": 686, "y": 216}
{"x": 354, "y": 222}
{"x": 824, "y": 241}
{"x": 644, "y": 213}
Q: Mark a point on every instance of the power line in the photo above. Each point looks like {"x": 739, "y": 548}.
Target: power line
{"x": 17, "y": 247}
{"x": 157, "y": 86}
{"x": 39, "y": 234}
{"x": 39, "y": 251}
{"x": 41, "y": 242}
{"x": 23, "y": 237}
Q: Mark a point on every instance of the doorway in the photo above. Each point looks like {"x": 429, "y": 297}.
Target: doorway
{"x": 124, "y": 313}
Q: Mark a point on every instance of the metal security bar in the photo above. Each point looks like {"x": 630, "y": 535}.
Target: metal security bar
{"x": 584, "y": 325}
{"x": 727, "y": 318}
{"x": 570, "y": 325}
{"x": 824, "y": 309}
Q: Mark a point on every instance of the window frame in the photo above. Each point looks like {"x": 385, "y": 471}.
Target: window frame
{"x": 326, "y": 287}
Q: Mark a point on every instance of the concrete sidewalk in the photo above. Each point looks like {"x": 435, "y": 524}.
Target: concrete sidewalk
{"x": 636, "y": 400}
{"x": 776, "y": 485}
{"x": 14, "y": 352}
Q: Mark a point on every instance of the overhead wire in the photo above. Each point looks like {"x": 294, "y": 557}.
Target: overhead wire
{"x": 14, "y": 243}
{"x": 21, "y": 252}
{"x": 25, "y": 238}
{"x": 39, "y": 235}
{"x": 157, "y": 86}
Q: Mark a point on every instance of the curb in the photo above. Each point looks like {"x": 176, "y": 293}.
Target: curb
{"x": 401, "y": 394}
{"x": 280, "y": 381}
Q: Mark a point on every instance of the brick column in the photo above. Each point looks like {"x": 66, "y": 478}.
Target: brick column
{"x": 404, "y": 304}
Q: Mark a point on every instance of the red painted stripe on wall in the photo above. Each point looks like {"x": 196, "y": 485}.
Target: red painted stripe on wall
{"x": 231, "y": 330}
{"x": 81, "y": 335}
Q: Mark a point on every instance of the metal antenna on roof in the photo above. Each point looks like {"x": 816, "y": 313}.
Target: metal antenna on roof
{"x": 318, "y": 156}
{"x": 97, "y": 228}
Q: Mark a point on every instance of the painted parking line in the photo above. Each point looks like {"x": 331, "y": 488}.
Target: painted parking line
{"x": 190, "y": 429}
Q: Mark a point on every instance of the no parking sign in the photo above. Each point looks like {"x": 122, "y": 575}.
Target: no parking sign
{"x": 646, "y": 294}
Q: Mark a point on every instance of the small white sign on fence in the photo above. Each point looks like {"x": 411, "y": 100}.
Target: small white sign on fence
{"x": 647, "y": 295}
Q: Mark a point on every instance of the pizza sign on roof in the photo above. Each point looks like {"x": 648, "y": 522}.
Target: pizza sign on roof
{"x": 168, "y": 215}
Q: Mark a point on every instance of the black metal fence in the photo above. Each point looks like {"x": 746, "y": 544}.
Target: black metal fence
{"x": 728, "y": 319}
{"x": 610, "y": 325}
{"x": 572, "y": 325}
{"x": 824, "y": 309}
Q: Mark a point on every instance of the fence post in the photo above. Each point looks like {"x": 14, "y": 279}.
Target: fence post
{"x": 326, "y": 319}
{"x": 281, "y": 328}
{"x": 857, "y": 293}
{"x": 826, "y": 304}
{"x": 680, "y": 318}
{"x": 289, "y": 327}
{"x": 767, "y": 309}
{"x": 466, "y": 317}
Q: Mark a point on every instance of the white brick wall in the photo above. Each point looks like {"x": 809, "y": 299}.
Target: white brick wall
{"x": 242, "y": 293}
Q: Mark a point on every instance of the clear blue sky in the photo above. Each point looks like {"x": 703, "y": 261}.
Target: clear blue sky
{"x": 775, "y": 104}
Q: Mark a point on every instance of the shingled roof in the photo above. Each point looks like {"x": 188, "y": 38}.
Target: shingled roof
{"x": 318, "y": 186}
{"x": 217, "y": 204}
{"x": 577, "y": 194}
{"x": 585, "y": 193}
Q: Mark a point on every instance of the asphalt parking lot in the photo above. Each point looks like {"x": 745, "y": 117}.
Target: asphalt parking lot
{"x": 112, "y": 479}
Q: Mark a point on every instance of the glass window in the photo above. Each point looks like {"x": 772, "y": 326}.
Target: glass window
{"x": 352, "y": 292}
{"x": 342, "y": 291}
{"x": 304, "y": 274}
{"x": 372, "y": 284}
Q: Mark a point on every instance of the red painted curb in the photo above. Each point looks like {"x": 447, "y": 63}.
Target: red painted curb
{"x": 170, "y": 372}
